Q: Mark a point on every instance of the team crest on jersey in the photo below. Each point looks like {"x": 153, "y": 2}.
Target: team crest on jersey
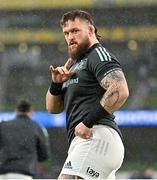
{"x": 76, "y": 68}
{"x": 79, "y": 66}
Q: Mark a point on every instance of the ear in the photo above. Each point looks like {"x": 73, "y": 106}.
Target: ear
{"x": 91, "y": 29}
{"x": 30, "y": 113}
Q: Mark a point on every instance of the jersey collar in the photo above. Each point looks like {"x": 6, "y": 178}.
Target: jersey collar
{"x": 92, "y": 47}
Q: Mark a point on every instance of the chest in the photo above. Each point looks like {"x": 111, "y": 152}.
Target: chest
{"x": 83, "y": 87}
{"x": 82, "y": 77}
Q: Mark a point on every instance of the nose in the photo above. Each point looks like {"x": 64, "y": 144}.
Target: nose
{"x": 70, "y": 36}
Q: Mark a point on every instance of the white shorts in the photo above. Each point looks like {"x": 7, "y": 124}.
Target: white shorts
{"x": 15, "y": 176}
{"x": 96, "y": 158}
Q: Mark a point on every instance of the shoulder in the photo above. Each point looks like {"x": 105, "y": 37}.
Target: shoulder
{"x": 39, "y": 127}
{"x": 35, "y": 124}
{"x": 101, "y": 54}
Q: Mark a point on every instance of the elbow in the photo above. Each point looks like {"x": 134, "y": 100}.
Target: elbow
{"x": 125, "y": 93}
{"x": 49, "y": 110}
{"x": 52, "y": 110}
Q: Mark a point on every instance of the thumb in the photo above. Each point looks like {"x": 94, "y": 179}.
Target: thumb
{"x": 51, "y": 68}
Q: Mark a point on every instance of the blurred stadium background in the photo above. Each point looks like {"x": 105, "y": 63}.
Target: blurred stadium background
{"x": 31, "y": 40}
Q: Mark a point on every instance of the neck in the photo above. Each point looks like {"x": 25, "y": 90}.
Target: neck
{"x": 93, "y": 41}
{"x": 25, "y": 113}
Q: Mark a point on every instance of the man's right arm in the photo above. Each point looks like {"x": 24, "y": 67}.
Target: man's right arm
{"x": 54, "y": 99}
{"x": 54, "y": 104}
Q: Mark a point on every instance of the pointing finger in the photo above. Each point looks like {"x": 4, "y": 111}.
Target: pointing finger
{"x": 68, "y": 63}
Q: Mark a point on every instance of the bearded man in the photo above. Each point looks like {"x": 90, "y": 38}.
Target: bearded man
{"x": 90, "y": 87}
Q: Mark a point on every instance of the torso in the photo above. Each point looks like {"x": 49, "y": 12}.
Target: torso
{"x": 83, "y": 89}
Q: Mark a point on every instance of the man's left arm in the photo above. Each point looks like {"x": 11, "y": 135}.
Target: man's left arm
{"x": 114, "y": 97}
{"x": 116, "y": 90}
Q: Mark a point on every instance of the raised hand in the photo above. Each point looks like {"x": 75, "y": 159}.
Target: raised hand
{"x": 62, "y": 73}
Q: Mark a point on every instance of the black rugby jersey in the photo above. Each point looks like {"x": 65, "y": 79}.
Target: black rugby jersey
{"x": 83, "y": 89}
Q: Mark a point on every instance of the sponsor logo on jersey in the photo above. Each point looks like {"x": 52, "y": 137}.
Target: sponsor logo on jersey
{"x": 92, "y": 172}
{"x": 70, "y": 81}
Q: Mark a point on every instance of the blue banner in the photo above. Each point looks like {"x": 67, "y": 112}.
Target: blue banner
{"x": 123, "y": 118}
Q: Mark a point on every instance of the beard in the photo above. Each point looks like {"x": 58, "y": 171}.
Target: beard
{"x": 78, "y": 51}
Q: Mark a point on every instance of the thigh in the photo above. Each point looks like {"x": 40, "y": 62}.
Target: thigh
{"x": 94, "y": 158}
{"x": 77, "y": 155}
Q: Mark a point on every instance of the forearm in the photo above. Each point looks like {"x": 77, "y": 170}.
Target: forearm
{"x": 116, "y": 91}
{"x": 54, "y": 104}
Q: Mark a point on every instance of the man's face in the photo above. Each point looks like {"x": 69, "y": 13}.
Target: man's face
{"x": 77, "y": 37}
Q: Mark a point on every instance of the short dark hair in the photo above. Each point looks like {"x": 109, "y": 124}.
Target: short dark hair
{"x": 24, "y": 106}
{"x": 71, "y": 15}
